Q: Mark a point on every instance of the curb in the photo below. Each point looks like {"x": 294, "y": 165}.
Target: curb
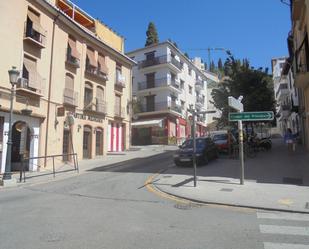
{"x": 221, "y": 203}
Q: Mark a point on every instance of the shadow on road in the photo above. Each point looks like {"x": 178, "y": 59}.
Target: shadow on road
{"x": 275, "y": 166}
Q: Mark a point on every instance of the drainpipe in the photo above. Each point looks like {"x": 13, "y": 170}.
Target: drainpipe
{"x": 49, "y": 86}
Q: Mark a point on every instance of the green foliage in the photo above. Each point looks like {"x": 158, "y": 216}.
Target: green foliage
{"x": 152, "y": 35}
{"x": 255, "y": 85}
{"x": 187, "y": 55}
{"x": 220, "y": 65}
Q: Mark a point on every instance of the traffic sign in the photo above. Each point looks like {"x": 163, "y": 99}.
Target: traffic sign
{"x": 251, "y": 116}
{"x": 235, "y": 104}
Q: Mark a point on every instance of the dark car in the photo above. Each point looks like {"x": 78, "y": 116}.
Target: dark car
{"x": 222, "y": 142}
{"x": 205, "y": 150}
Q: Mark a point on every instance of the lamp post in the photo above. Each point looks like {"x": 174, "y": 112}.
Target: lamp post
{"x": 13, "y": 74}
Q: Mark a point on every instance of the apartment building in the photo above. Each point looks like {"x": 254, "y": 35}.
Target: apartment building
{"x": 299, "y": 56}
{"x": 74, "y": 87}
{"x": 165, "y": 85}
{"x": 212, "y": 83}
{"x": 286, "y": 96}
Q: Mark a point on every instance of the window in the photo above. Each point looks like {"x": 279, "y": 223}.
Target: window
{"x": 71, "y": 50}
{"x": 88, "y": 95}
{"x": 182, "y": 84}
{"x": 99, "y": 142}
{"x": 30, "y": 75}
{"x": 150, "y": 80}
{"x": 90, "y": 59}
{"x": 190, "y": 71}
{"x": 150, "y": 103}
{"x": 150, "y": 56}
{"x": 182, "y": 104}
{"x": 66, "y": 145}
{"x": 68, "y": 96}
{"x": 190, "y": 89}
{"x": 100, "y": 103}
{"x": 102, "y": 64}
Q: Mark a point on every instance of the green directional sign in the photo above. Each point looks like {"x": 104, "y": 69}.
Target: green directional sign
{"x": 251, "y": 116}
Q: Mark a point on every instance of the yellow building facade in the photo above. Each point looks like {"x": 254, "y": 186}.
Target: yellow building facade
{"x": 74, "y": 87}
{"x": 299, "y": 51}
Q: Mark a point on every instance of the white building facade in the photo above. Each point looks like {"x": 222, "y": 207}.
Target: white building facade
{"x": 165, "y": 85}
{"x": 286, "y": 96}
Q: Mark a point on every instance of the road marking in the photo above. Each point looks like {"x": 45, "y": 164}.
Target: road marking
{"x": 286, "y": 230}
{"x": 286, "y": 202}
{"x": 282, "y": 216}
{"x": 268, "y": 245}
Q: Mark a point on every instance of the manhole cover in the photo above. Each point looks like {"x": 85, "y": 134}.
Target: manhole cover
{"x": 226, "y": 189}
{"x": 290, "y": 180}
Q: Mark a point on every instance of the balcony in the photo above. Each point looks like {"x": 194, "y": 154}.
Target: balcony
{"x": 171, "y": 62}
{"x": 199, "y": 102}
{"x": 162, "y": 107}
{"x": 199, "y": 85}
{"x": 100, "y": 106}
{"x": 70, "y": 97}
{"x": 282, "y": 91}
{"x": 32, "y": 86}
{"x": 35, "y": 36}
{"x": 95, "y": 72}
{"x": 119, "y": 112}
{"x": 120, "y": 80}
{"x": 161, "y": 84}
{"x": 73, "y": 61}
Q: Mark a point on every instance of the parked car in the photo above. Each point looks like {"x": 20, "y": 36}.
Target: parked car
{"x": 221, "y": 140}
{"x": 205, "y": 151}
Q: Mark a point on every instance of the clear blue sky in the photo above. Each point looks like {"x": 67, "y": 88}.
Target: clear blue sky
{"x": 253, "y": 29}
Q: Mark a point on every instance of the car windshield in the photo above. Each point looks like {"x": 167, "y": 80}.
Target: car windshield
{"x": 189, "y": 143}
{"x": 220, "y": 137}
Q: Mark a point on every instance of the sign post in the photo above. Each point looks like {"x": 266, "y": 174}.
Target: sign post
{"x": 238, "y": 106}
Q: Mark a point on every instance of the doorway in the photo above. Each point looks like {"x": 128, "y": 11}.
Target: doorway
{"x": 21, "y": 137}
{"x": 87, "y": 142}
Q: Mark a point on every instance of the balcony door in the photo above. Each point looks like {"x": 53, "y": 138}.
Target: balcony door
{"x": 150, "y": 79}
{"x": 150, "y": 103}
{"x": 88, "y": 95}
{"x": 150, "y": 56}
{"x": 87, "y": 142}
{"x": 117, "y": 105}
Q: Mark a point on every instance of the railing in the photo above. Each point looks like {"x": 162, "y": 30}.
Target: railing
{"x": 70, "y": 97}
{"x": 36, "y": 34}
{"x": 281, "y": 87}
{"x": 119, "y": 111}
{"x": 159, "y": 60}
{"x": 52, "y": 158}
{"x": 101, "y": 106}
{"x": 36, "y": 86}
{"x": 158, "y": 83}
{"x": 162, "y": 106}
{"x": 95, "y": 71}
{"x": 72, "y": 60}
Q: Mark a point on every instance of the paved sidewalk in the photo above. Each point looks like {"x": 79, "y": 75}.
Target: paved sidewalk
{"x": 275, "y": 180}
{"x": 67, "y": 170}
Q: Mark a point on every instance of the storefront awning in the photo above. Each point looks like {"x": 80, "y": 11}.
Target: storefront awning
{"x": 148, "y": 123}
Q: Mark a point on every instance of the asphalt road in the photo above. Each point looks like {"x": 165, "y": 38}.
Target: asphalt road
{"x": 112, "y": 208}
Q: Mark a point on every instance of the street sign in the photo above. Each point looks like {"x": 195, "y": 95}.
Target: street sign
{"x": 251, "y": 116}
{"x": 235, "y": 104}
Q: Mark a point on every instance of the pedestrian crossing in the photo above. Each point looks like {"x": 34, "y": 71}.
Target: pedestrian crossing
{"x": 284, "y": 230}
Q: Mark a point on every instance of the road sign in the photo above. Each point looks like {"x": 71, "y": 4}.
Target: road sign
{"x": 235, "y": 104}
{"x": 251, "y": 116}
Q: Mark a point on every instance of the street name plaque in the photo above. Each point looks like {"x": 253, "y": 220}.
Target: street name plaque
{"x": 251, "y": 116}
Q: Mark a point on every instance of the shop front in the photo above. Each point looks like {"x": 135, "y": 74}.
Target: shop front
{"x": 25, "y": 141}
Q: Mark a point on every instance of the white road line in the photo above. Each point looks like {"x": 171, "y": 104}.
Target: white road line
{"x": 268, "y": 245}
{"x": 286, "y": 230}
{"x": 282, "y": 216}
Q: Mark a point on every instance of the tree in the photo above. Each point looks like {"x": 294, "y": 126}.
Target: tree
{"x": 152, "y": 35}
{"x": 187, "y": 55}
{"x": 255, "y": 85}
{"x": 220, "y": 65}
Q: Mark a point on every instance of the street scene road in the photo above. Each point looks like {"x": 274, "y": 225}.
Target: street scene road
{"x": 111, "y": 207}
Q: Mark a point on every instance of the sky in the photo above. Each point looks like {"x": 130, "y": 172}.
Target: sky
{"x": 252, "y": 29}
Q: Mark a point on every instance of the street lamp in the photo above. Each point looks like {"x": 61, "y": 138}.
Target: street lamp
{"x": 13, "y": 74}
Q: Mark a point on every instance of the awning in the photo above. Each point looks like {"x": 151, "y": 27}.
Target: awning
{"x": 103, "y": 67}
{"x": 74, "y": 51}
{"x": 148, "y": 123}
{"x": 90, "y": 55}
{"x": 35, "y": 19}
